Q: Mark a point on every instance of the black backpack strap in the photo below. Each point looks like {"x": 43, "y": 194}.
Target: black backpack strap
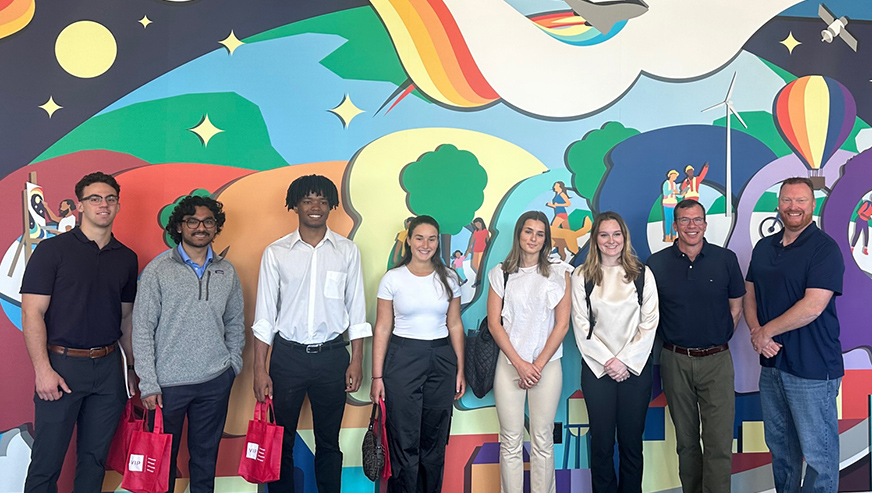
{"x": 505, "y": 282}
{"x": 640, "y": 284}
{"x": 588, "y": 288}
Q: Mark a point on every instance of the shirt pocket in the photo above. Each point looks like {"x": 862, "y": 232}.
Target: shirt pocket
{"x": 334, "y": 285}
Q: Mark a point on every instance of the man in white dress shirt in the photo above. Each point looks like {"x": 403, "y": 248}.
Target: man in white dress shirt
{"x": 309, "y": 293}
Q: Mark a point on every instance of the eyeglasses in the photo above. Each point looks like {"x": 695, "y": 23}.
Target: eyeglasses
{"x": 194, "y": 223}
{"x": 684, "y": 221}
{"x": 98, "y": 199}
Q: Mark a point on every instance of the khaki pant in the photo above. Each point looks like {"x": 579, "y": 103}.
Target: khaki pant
{"x": 543, "y": 401}
{"x": 701, "y": 389}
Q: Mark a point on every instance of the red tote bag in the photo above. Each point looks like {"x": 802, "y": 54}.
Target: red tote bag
{"x": 148, "y": 458}
{"x": 261, "y": 460}
{"x": 117, "y": 458}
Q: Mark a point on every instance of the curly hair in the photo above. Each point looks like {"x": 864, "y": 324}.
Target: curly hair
{"x": 188, "y": 207}
{"x": 317, "y": 184}
{"x": 96, "y": 177}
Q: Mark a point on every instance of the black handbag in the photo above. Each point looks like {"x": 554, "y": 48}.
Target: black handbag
{"x": 480, "y": 355}
{"x": 372, "y": 451}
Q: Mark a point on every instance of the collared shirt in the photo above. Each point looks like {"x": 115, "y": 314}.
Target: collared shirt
{"x": 781, "y": 274}
{"x": 695, "y": 296}
{"x": 198, "y": 269}
{"x": 87, "y": 285}
{"x": 308, "y": 294}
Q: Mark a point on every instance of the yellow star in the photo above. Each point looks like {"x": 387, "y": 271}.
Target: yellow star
{"x": 50, "y": 106}
{"x": 790, "y": 42}
{"x": 145, "y": 21}
{"x": 346, "y": 111}
{"x": 205, "y": 130}
{"x": 231, "y": 42}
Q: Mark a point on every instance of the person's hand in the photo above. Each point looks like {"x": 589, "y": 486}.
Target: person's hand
{"x": 132, "y": 381}
{"x": 377, "y": 390}
{"x": 263, "y": 386}
{"x": 763, "y": 344}
{"x": 460, "y": 386}
{"x": 353, "y": 376}
{"x": 151, "y": 401}
{"x": 50, "y": 386}
{"x": 528, "y": 374}
{"x": 617, "y": 370}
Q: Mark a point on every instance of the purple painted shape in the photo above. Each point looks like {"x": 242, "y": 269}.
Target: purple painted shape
{"x": 853, "y": 305}
{"x": 573, "y": 480}
{"x": 857, "y": 359}
{"x": 745, "y": 360}
{"x": 489, "y": 453}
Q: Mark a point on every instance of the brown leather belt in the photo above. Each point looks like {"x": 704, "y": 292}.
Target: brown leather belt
{"x": 696, "y": 352}
{"x": 93, "y": 353}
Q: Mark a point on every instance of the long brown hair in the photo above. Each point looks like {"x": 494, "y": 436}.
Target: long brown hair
{"x": 442, "y": 271}
{"x": 513, "y": 260}
{"x": 592, "y": 268}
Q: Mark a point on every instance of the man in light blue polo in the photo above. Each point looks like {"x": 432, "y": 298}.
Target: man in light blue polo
{"x": 792, "y": 283}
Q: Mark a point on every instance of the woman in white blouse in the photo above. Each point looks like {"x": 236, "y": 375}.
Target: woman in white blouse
{"x": 418, "y": 367}
{"x": 528, "y": 316}
{"x": 616, "y": 352}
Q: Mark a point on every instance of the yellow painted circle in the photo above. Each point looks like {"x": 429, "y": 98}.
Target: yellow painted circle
{"x": 86, "y": 49}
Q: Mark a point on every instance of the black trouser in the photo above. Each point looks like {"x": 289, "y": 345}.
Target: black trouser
{"x": 295, "y": 374}
{"x": 95, "y": 405}
{"x": 621, "y": 407}
{"x": 205, "y": 405}
{"x": 420, "y": 380}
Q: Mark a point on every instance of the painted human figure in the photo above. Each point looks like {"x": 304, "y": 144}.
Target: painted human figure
{"x": 670, "y": 197}
{"x": 457, "y": 264}
{"x": 861, "y": 226}
{"x": 477, "y": 245}
{"x": 690, "y": 185}
{"x": 559, "y": 203}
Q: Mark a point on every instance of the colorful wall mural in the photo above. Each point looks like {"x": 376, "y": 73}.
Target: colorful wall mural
{"x": 470, "y": 111}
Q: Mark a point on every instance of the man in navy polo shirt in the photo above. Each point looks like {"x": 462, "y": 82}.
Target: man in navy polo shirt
{"x": 700, "y": 287}
{"x": 76, "y": 300}
{"x": 792, "y": 283}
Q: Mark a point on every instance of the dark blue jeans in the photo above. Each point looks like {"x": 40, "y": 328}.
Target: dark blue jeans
{"x": 205, "y": 405}
{"x": 800, "y": 420}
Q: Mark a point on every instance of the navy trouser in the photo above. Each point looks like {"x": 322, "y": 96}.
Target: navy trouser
{"x": 95, "y": 405}
{"x": 205, "y": 405}
{"x": 321, "y": 376}
{"x": 420, "y": 380}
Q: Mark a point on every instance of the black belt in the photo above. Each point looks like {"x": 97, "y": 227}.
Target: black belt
{"x": 696, "y": 352}
{"x": 403, "y": 341}
{"x": 338, "y": 342}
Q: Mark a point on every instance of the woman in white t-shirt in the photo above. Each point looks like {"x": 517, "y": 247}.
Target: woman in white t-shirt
{"x": 418, "y": 367}
{"x": 528, "y": 316}
{"x": 616, "y": 372}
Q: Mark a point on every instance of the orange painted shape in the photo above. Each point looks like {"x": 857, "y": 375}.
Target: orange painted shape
{"x": 447, "y": 61}
{"x": 15, "y": 10}
{"x": 471, "y": 73}
{"x": 796, "y": 110}
{"x": 5, "y": 3}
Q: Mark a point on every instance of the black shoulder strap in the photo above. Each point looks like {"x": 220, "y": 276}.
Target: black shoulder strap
{"x": 640, "y": 284}
{"x": 588, "y": 288}
{"x": 505, "y": 282}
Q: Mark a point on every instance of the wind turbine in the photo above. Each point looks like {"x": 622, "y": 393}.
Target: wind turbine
{"x": 728, "y": 105}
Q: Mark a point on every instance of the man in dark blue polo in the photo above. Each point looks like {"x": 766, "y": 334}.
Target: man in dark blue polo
{"x": 792, "y": 282}
{"x": 76, "y": 300}
{"x": 700, "y": 287}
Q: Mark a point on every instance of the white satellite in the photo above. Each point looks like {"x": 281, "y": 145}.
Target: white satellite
{"x": 835, "y": 28}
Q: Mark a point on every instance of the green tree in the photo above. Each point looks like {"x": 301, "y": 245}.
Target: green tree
{"x": 585, "y": 158}
{"x": 163, "y": 216}
{"x": 448, "y": 184}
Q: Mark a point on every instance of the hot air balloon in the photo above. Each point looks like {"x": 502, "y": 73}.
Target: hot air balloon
{"x": 814, "y": 114}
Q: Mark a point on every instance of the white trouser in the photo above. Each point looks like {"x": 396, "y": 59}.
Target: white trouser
{"x": 543, "y": 401}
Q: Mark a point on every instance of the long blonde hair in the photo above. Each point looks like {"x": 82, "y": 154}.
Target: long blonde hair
{"x": 592, "y": 268}
{"x": 513, "y": 259}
